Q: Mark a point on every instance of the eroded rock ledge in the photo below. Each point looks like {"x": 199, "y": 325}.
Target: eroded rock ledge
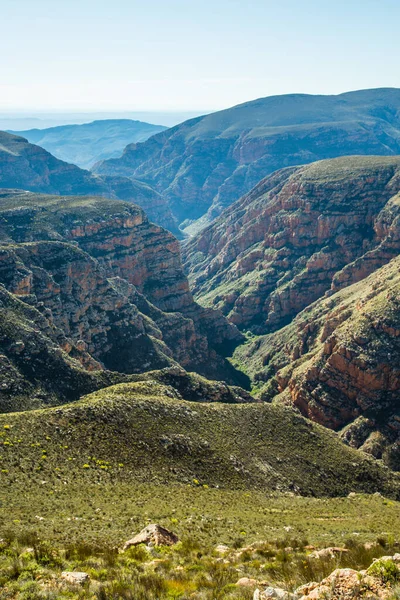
{"x": 108, "y": 286}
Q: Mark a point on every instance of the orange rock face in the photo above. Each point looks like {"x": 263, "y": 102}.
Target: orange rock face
{"x": 297, "y": 235}
{"x": 113, "y": 282}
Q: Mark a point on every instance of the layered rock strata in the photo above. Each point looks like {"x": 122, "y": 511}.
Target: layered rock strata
{"x": 299, "y": 233}
{"x": 109, "y": 286}
{"x": 205, "y": 164}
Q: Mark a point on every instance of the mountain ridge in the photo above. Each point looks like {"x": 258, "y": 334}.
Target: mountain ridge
{"x": 105, "y": 287}
{"x": 308, "y": 263}
{"x": 128, "y": 432}
{"x": 203, "y": 165}
{"x": 294, "y": 236}
{"x": 30, "y": 167}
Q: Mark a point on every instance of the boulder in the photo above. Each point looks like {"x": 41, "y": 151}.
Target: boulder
{"x": 331, "y": 552}
{"x": 153, "y": 535}
{"x": 272, "y": 593}
{"x": 247, "y": 582}
{"x": 340, "y": 585}
{"x": 395, "y": 558}
{"x": 305, "y": 589}
{"x": 75, "y": 577}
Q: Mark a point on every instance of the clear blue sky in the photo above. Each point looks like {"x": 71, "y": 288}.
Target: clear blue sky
{"x": 190, "y": 54}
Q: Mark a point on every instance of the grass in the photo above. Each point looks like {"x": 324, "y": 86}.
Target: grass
{"x": 79, "y": 528}
{"x": 110, "y": 511}
{"x": 78, "y": 480}
{"x": 142, "y": 432}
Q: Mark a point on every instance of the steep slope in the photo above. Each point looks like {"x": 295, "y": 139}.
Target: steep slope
{"x": 298, "y": 234}
{"x": 35, "y": 367}
{"x": 29, "y": 167}
{"x": 146, "y": 431}
{"x": 83, "y": 145}
{"x": 205, "y": 164}
{"x": 109, "y": 286}
{"x": 42, "y": 363}
{"x": 338, "y": 362}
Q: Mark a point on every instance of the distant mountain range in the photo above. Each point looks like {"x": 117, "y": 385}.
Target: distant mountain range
{"x": 203, "y": 165}
{"x": 86, "y": 144}
{"x": 22, "y": 121}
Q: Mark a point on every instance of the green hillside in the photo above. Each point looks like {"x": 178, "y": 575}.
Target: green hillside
{"x": 145, "y": 432}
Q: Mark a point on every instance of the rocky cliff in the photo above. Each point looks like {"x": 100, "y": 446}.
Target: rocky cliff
{"x": 30, "y": 167}
{"x": 299, "y": 233}
{"x": 39, "y": 365}
{"x": 310, "y": 258}
{"x": 108, "y": 285}
{"x": 338, "y": 363}
{"x": 205, "y": 164}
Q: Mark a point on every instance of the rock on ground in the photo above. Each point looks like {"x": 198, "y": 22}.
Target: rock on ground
{"x": 272, "y": 593}
{"x": 153, "y": 535}
{"x": 76, "y": 577}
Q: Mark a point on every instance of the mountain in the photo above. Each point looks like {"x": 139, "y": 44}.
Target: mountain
{"x": 298, "y": 234}
{"x": 310, "y": 260}
{"x": 93, "y": 300}
{"x": 338, "y": 363}
{"x": 18, "y": 121}
{"x": 90, "y": 285}
{"x": 86, "y": 144}
{"x": 205, "y": 164}
{"x": 29, "y": 167}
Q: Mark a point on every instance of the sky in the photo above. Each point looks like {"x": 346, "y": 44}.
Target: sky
{"x": 190, "y": 55}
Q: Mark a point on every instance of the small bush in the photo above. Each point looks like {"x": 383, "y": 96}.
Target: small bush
{"x": 386, "y": 570}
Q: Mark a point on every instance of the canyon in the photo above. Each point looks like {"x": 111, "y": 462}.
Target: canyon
{"x": 107, "y": 288}
{"x": 306, "y": 265}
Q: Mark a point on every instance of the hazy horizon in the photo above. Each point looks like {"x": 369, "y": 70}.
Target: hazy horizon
{"x": 24, "y": 120}
{"x": 41, "y": 119}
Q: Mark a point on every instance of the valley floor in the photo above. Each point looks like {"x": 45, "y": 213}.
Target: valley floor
{"x": 52, "y": 527}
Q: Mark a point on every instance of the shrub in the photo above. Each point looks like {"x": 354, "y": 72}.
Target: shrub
{"x": 386, "y": 570}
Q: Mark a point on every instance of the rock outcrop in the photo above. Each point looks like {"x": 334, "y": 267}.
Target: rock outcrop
{"x": 338, "y": 363}
{"x": 205, "y": 164}
{"x": 38, "y": 364}
{"x": 376, "y": 582}
{"x": 75, "y": 577}
{"x": 107, "y": 286}
{"x": 298, "y": 234}
{"x": 88, "y": 309}
{"x": 272, "y": 593}
{"x": 153, "y": 535}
